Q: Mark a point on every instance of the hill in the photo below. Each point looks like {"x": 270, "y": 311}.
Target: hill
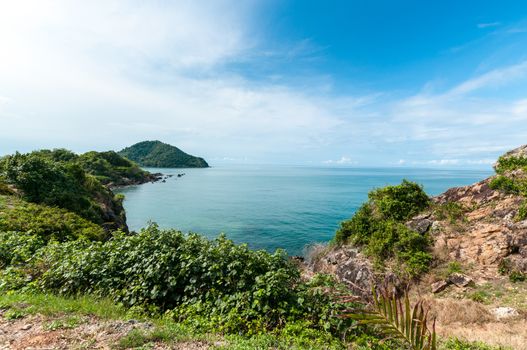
{"x": 80, "y": 184}
{"x": 161, "y": 155}
{"x": 465, "y": 249}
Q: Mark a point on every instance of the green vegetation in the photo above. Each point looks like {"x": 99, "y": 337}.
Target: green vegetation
{"x": 507, "y": 185}
{"x": 208, "y": 285}
{"x": 522, "y": 211}
{"x": 161, "y": 155}
{"x": 508, "y": 163}
{"x": 479, "y": 296}
{"x": 44, "y": 222}
{"x": 456, "y": 344}
{"x": 452, "y": 211}
{"x": 378, "y": 226}
{"x": 112, "y": 169}
{"x": 508, "y": 182}
{"x": 517, "y": 276}
{"x": 454, "y": 267}
{"x": 396, "y": 318}
{"x": 60, "y": 178}
{"x": 69, "y": 312}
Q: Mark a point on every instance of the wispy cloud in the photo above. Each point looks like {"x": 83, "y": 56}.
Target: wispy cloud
{"x": 104, "y": 74}
{"x": 342, "y": 161}
{"x": 488, "y": 25}
{"x": 493, "y": 79}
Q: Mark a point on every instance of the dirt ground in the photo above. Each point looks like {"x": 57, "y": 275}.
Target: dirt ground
{"x": 39, "y": 332}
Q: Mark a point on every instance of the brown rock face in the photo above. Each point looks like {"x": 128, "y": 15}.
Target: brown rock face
{"x": 349, "y": 266}
{"x": 488, "y": 231}
{"x": 520, "y": 152}
{"x": 474, "y": 224}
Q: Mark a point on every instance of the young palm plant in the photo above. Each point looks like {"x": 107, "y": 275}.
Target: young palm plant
{"x": 395, "y": 318}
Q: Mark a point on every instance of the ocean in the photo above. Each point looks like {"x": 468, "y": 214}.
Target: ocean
{"x": 270, "y": 207}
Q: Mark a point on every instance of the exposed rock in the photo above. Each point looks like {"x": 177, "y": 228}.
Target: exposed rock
{"x": 460, "y": 280}
{"x": 420, "y": 223}
{"x": 517, "y": 153}
{"x": 476, "y": 194}
{"x": 504, "y": 312}
{"x": 349, "y": 266}
{"x": 439, "y": 286}
{"x": 26, "y": 327}
{"x": 474, "y": 225}
{"x": 487, "y": 233}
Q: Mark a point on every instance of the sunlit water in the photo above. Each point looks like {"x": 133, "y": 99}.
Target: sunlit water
{"x": 271, "y": 207}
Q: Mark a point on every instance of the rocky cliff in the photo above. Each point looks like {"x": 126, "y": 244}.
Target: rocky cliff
{"x": 481, "y": 226}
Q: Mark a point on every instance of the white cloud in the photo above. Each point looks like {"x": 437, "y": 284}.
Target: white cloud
{"x": 104, "y": 74}
{"x": 488, "y": 25}
{"x": 492, "y": 79}
{"x": 443, "y": 162}
{"x": 111, "y": 73}
{"x": 342, "y": 161}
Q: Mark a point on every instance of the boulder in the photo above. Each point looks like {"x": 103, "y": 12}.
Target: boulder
{"x": 420, "y": 223}
{"x": 439, "y": 286}
{"x": 349, "y": 266}
{"x": 460, "y": 280}
{"x": 504, "y": 312}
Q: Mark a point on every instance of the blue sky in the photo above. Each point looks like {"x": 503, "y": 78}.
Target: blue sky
{"x": 339, "y": 83}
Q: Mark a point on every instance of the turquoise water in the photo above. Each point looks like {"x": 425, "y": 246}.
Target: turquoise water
{"x": 271, "y": 207}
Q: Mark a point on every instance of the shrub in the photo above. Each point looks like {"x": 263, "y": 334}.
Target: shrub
{"x": 211, "y": 284}
{"x": 378, "y": 227}
{"x": 522, "y": 211}
{"x": 399, "y": 202}
{"x": 48, "y": 223}
{"x": 18, "y": 247}
{"x": 456, "y": 344}
{"x": 110, "y": 167}
{"x": 517, "y": 276}
{"x": 5, "y": 189}
{"x": 452, "y": 211}
{"x": 360, "y": 227}
{"x": 454, "y": 267}
{"x": 510, "y": 163}
{"x": 505, "y": 184}
{"x": 43, "y": 177}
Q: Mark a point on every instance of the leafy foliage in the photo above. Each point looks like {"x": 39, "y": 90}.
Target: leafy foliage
{"x": 522, "y": 211}
{"x": 378, "y": 226}
{"x": 453, "y": 211}
{"x": 507, "y": 163}
{"x": 161, "y": 155}
{"x": 211, "y": 284}
{"x": 18, "y": 247}
{"x": 57, "y": 178}
{"x": 395, "y": 318}
{"x": 456, "y": 344}
{"x": 517, "y": 276}
{"x": 506, "y": 184}
{"x": 512, "y": 183}
{"x": 47, "y": 223}
{"x": 399, "y": 202}
{"x": 110, "y": 168}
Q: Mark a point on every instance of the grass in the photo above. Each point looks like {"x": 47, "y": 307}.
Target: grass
{"x": 51, "y": 305}
{"x": 67, "y": 313}
{"x": 499, "y": 293}
{"x": 456, "y": 344}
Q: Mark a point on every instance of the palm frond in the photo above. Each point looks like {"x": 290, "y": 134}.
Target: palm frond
{"x": 394, "y": 317}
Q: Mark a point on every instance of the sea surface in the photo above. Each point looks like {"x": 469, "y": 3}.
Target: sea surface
{"x": 270, "y": 207}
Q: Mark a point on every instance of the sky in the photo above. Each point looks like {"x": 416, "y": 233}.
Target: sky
{"x": 324, "y": 83}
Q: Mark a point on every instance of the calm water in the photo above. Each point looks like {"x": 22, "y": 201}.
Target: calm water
{"x": 271, "y": 206}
